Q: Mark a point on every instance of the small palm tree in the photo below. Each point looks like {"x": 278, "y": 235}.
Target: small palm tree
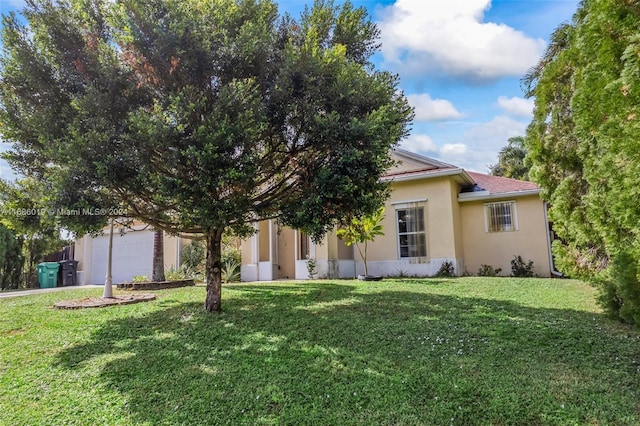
{"x": 361, "y": 231}
{"x": 512, "y": 160}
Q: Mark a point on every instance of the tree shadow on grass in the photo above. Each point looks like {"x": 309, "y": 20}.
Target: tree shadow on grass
{"x": 329, "y": 354}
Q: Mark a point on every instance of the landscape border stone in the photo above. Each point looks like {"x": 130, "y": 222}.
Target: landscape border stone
{"x": 101, "y": 302}
{"x": 159, "y": 285}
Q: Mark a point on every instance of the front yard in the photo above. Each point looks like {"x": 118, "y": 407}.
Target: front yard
{"x": 406, "y": 352}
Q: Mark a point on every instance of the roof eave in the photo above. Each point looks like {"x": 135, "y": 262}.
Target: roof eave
{"x": 464, "y": 178}
{"x": 486, "y": 195}
{"x": 421, "y": 158}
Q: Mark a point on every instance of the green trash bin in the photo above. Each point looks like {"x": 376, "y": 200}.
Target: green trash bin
{"x": 48, "y": 274}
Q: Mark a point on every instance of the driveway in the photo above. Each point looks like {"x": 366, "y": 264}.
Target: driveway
{"x": 16, "y": 293}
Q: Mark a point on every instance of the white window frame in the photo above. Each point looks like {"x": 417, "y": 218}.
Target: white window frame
{"x": 411, "y": 206}
{"x": 489, "y": 207}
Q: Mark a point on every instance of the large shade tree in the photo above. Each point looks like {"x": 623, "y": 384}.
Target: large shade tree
{"x": 198, "y": 116}
{"x": 583, "y": 144}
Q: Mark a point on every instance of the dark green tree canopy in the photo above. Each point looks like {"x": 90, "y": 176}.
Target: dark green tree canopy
{"x": 196, "y": 116}
{"x": 37, "y": 232}
{"x": 583, "y": 144}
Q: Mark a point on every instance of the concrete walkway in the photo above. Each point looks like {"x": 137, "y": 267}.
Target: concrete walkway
{"x": 16, "y": 293}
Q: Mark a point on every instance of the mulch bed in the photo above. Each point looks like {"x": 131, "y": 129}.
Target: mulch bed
{"x": 160, "y": 285}
{"x": 101, "y": 302}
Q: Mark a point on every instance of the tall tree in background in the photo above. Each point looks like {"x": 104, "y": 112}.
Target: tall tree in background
{"x": 511, "y": 160}
{"x": 23, "y": 203}
{"x": 198, "y": 116}
{"x": 583, "y": 144}
{"x": 11, "y": 259}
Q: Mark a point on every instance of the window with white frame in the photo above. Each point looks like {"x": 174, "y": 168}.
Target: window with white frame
{"x": 412, "y": 238}
{"x": 500, "y": 217}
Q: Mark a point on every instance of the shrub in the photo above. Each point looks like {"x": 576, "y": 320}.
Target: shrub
{"x": 231, "y": 254}
{"x": 620, "y": 287}
{"x": 521, "y": 269}
{"x": 175, "y": 274}
{"x": 400, "y": 274}
{"x": 446, "y": 270}
{"x": 193, "y": 261}
{"x": 488, "y": 271}
{"x": 311, "y": 267}
{"x": 230, "y": 270}
{"x": 140, "y": 279}
{"x": 192, "y": 257}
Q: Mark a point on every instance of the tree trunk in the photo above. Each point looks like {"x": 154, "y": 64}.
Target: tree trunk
{"x": 108, "y": 288}
{"x": 364, "y": 259}
{"x": 214, "y": 270}
{"x": 158, "y": 256}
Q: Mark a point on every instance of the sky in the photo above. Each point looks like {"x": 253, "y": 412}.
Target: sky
{"x": 460, "y": 63}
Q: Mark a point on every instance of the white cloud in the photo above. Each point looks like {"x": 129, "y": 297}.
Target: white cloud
{"x": 495, "y": 132}
{"x": 452, "y": 149}
{"x": 428, "y": 109}
{"x": 419, "y": 143}
{"x": 451, "y": 36}
{"x": 476, "y": 149}
{"x": 519, "y": 107}
{"x": 482, "y": 143}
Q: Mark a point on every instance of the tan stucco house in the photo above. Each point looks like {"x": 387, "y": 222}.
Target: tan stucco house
{"x": 437, "y": 212}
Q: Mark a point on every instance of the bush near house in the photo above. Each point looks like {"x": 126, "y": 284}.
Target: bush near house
{"x": 193, "y": 260}
{"x": 520, "y": 268}
{"x": 446, "y": 270}
{"x": 488, "y": 271}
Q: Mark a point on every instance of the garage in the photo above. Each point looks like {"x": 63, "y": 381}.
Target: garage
{"x": 132, "y": 255}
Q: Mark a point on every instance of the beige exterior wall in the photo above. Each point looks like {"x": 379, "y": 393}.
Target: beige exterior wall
{"x": 498, "y": 248}
{"x": 286, "y": 253}
{"x": 79, "y": 253}
{"x": 455, "y": 231}
{"x": 247, "y": 251}
{"x": 172, "y": 247}
{"x": 436, "y": 196}
{"x": 456, "y": 216}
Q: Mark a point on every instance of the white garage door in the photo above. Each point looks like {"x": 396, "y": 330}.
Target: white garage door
{"x": 132, "y": 255}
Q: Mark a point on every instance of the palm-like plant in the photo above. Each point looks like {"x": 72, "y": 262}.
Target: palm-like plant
{"x": 511, "y": 160}
{"x": 361, "y": 231}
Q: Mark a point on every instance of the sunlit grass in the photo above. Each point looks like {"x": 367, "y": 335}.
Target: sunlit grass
{"x": 407, "y": 351}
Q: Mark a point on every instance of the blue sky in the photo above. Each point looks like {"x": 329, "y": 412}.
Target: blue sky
{"x": 460, "y": 64}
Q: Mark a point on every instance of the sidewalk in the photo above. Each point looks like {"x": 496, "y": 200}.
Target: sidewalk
{"x": 16, "y": 293}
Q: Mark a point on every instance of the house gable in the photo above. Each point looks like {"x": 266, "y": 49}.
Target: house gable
{"x": 409, "y": 162}
{"x": 410, "y": 166}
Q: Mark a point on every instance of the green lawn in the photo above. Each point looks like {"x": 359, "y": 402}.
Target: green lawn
{"x": 403, "y": 352}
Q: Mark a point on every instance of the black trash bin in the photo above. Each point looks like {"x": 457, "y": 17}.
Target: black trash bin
{"x": 68, "y": 272}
